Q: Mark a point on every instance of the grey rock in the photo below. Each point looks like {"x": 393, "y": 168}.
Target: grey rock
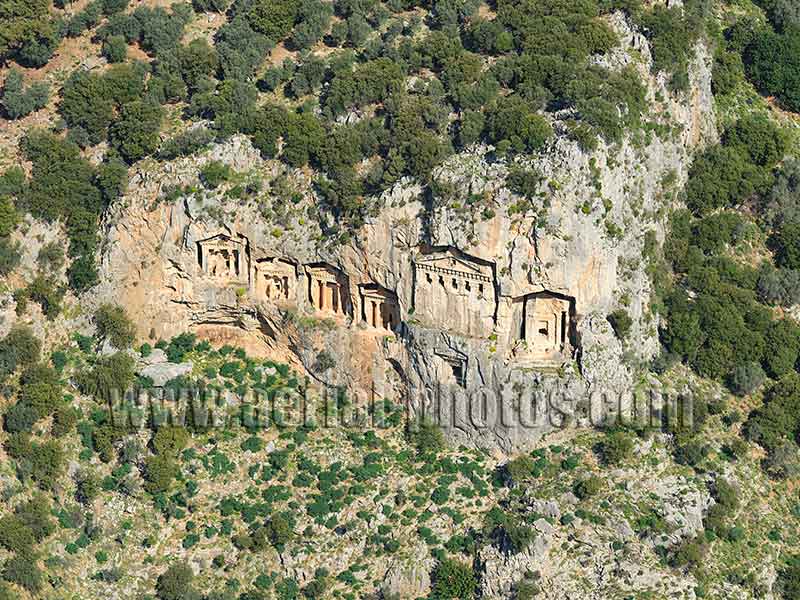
{"x": 161, "y": 373}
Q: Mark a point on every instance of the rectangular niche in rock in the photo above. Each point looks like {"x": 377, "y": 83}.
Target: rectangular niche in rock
{"x": 456, "y": 366}
{"x": 224, "y": 257}
{"x": 544, "y": 321}
{"x": 379, "y": 308}
{"x": 275, "y": 280}
{"x": 455, "y": 292}
{"x": 328, "y": 289}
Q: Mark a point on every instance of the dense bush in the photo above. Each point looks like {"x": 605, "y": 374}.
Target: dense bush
{"x": 109, "y": 378}
{"x": 26, "y": 31}
{"x": 789, "y": 579}
{"x": 241, "y": 49}
{"x": 746, "y": 378}
{"x": 219, "y": 6}
{"x": 9, "y": 218}
{"x": 115, "y": 48}
{"x": 588, "y": 487}
{"x": 113, "y": 324}
{"x": 272, "y": 18}
{"x": 453, "y": 579}
{"x": 10, "y": 255}
{"x": 175, "y": 583}
{"x": 427, "y": 437}
{"x": 88, "y": 18}
{"x": 111, "y": 7}
{"x": 616, "y": 447}
{"x": 313, "y": 18}
{"x": 19, "y": 101}
{"x": 772, "y": 62}
{"x": 19, "y": 347}
{"x": 66, "y": 186}
{"x": 135, "y": 133}
{"x": 777, "y": 421}
{"x": 186, "y": 144}
{"x": 214, "y": 173}
{"x": 161, "y": 30}
{"x": 509, "y": 532}
{"x": 25, "y": 572}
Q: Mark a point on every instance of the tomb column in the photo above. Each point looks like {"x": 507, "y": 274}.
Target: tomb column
{"x": 321, "y": 295}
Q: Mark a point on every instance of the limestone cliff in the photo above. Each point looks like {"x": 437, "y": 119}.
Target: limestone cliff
{"x": 459, "y": 286}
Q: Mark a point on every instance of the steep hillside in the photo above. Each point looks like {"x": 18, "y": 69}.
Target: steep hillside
{"x": 404, "y": 299}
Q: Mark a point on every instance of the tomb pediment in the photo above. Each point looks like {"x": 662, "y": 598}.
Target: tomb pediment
{"x": 322, "y": 272}
{"x": 220, "y": 238}
{"x": 275, "y": 266}
{"x": 449, "y": 263}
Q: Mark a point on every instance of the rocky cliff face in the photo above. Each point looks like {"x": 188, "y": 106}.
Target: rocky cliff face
{"x": 467, "y": 287}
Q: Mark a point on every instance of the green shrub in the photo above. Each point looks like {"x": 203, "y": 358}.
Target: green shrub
{"x": 746, "y": 378}
{"x": 215, "y": 173}
{"x": 453, "y": 579}
{"x": 272, "y": 18}
{"x": 47, "y": 462}
{"x": 219, "y": 6}
{"x": 10, "y": 256}
{"x": 509, "y": 532}
{"x": 427, "y": 437}
{"x": 19, "y": 347}
{"x": 279, "y": 530}
{"x": 51, "y": 257}
{"x": 175, "y": 583}
{"x": 114, "y": 325}
{"x": 23, "y": 570}
{"x": 589, "y": 487}
{"x": 135, "y": 133}
{"x": 519, "y": 469}
{"x": 14, "y": 535}
{"x": 111, "y": 7}
{"x": 186, "y": 144}
{"x": 690, "y": 553}
{"x": 115, "y": 48}
{"x": 110, "y": 377}
{"x": 621, "y": 323}
{"x": 772, "y": 64}
{"x": 616, "y": 447}
{"x": 19, "y": 101}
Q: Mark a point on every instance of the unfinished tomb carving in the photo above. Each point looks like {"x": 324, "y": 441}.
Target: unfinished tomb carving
{"x": 379, "y": 308}
{"x": 328, "y": 290}
{"x": 455, "y": 292}
{"x": 224, "y": 257}
{"x": 275, "y": 280}
{"x": 543, "y": 325}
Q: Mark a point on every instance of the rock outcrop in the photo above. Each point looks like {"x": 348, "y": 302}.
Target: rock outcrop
{"x": 487, "y": 311}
